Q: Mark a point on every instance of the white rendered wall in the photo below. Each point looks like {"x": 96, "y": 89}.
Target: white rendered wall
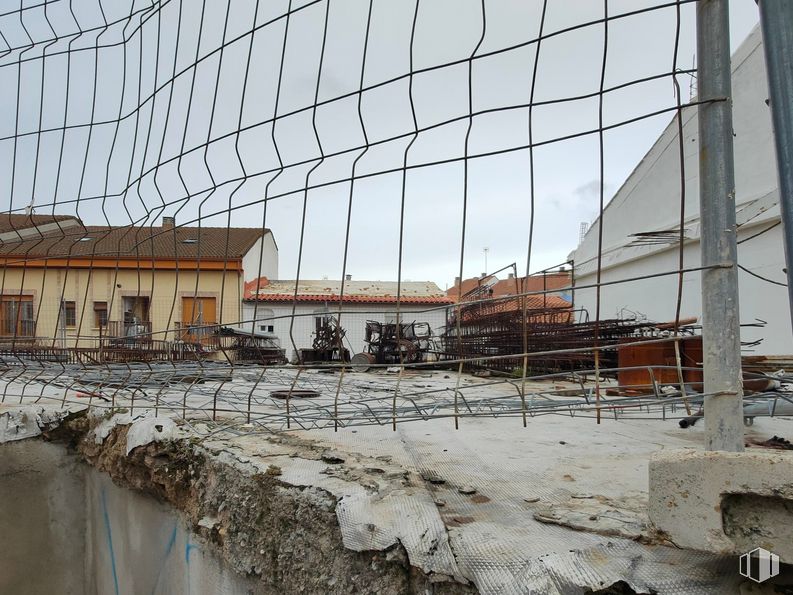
{"x": 353, "y": 320}
{"x": 269, "y": 259}
{"x": 650, "y": 201}
{"x": 656, "y": 298}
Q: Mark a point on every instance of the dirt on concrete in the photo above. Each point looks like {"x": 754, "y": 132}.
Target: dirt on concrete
{"x": 286, "y": 536}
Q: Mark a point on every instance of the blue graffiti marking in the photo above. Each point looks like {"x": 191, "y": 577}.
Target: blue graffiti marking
{"x": 109, "y": 533}
{"x": 168, "y": 549}
{"x": 189, "y": 546}
{"x": 171, "y": 541}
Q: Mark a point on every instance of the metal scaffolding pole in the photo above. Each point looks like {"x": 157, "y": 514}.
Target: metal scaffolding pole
{"x": 776, "y": 20}
{"x": 720, "y": 315}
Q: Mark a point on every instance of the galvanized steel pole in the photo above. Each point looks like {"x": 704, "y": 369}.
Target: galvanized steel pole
{"x": 720, "y": 316}
{"x": 776, "y": 20}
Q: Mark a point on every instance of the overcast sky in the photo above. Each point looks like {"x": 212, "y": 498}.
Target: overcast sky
{"x": 126, "y": 166}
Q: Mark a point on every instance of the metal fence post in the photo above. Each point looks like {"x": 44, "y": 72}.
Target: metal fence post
{"x": 720, "y": 314}
{"x": 776, "y": 21}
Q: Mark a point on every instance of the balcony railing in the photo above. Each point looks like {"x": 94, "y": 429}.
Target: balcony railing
{"x": 17, "y": 329}
{"x": 134, "y": 332}
{"x": 195, "y": 333}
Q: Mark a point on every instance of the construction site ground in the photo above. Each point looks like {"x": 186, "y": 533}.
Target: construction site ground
{"x": 557, "y": 506}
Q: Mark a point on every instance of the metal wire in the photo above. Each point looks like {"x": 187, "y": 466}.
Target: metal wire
{"x": 152, "y": 126}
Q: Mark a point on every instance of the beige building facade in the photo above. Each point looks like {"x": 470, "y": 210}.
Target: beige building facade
{"x": 75, "y": 284}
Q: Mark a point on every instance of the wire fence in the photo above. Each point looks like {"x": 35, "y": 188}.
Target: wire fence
{"x": 179, "y": 170}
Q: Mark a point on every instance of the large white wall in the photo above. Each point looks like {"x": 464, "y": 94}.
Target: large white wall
{"x": 650, "y": 201}
{"x": 269, "y": 259}
{"x": 353, "y": 320}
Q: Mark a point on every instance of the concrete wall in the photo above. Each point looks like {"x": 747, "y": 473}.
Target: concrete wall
{"x": 650, "y": 201}
{"x": 353, "y": 319}
{"x": 68, "y": 529}
{"x": 42, "y": 520}
{"x": 136, "y": 545}
{"x": 265, "y": 248}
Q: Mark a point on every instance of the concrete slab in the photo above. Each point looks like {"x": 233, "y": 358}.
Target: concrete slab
{"x": 558, "y": 506}
{"x": 724, "y": 502}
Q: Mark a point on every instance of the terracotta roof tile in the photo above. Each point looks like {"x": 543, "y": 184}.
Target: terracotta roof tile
{"x": 551, "y": 282}
{"x": 362, "y": 299}
{"x": 478, "y": 288}
{"x": 11, "y": 222}
{"x": 188, "y": 243}
{"x": 469, "y": 285}
{"x": 324, "y": 290}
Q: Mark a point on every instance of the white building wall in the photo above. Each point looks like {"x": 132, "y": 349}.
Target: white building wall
{"x": 269, "y": 259}
{"x": 650, "y": 201}
{"x": 353, "y": 320}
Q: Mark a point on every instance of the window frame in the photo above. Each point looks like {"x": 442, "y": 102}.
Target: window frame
{"x": 13, "y": 308}
{"x": 67, "y": 306}
{"x": 100, "y": 307}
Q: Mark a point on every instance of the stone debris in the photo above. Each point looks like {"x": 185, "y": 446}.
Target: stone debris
{"x": 775, "y": 442}
{"x": 107, "y": 424}
{"x": 432, "y": 477}
{"x": 20, "y": 422}
{"x": 273, "y": 471}
{"x": 208, "y": 522}
{"x": 596, "y": 518}
{"x": 150, "y": 429}
{"x": 331, "y": 458}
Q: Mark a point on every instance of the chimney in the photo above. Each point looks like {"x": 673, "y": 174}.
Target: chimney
{"x": 483, "y": 275}
{"x": 457, "y": 280}
{"x": 511, "y": 276}
{"x": 348, "y": 277}
{"x": 252, "y": 287}
{"x": 562, "y": 269}
{"x": 168, "y": 222}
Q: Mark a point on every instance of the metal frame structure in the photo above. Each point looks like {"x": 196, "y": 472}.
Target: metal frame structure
{"x": 723, "y": 399}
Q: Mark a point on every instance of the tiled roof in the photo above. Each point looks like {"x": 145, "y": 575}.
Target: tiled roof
{"x": 537, "y": 302}
{"x": 362, "y": 299}
{"x": 478, "y": 288}
{"x": 369, "y": 292}
{"x": 551, "y": 282}
{"x": 187, "y": 243}
{"x": 471, "y": 284}
{"x": 13, "y": 222}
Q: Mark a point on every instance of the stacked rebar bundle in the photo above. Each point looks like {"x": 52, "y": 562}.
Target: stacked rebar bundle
{"x": 504, "y": 328}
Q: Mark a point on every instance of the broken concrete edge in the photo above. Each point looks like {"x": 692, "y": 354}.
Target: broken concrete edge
{"x": 263, "y": 518}
{"x": 20, "y": 422}
{"x": 724, "y": 502}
